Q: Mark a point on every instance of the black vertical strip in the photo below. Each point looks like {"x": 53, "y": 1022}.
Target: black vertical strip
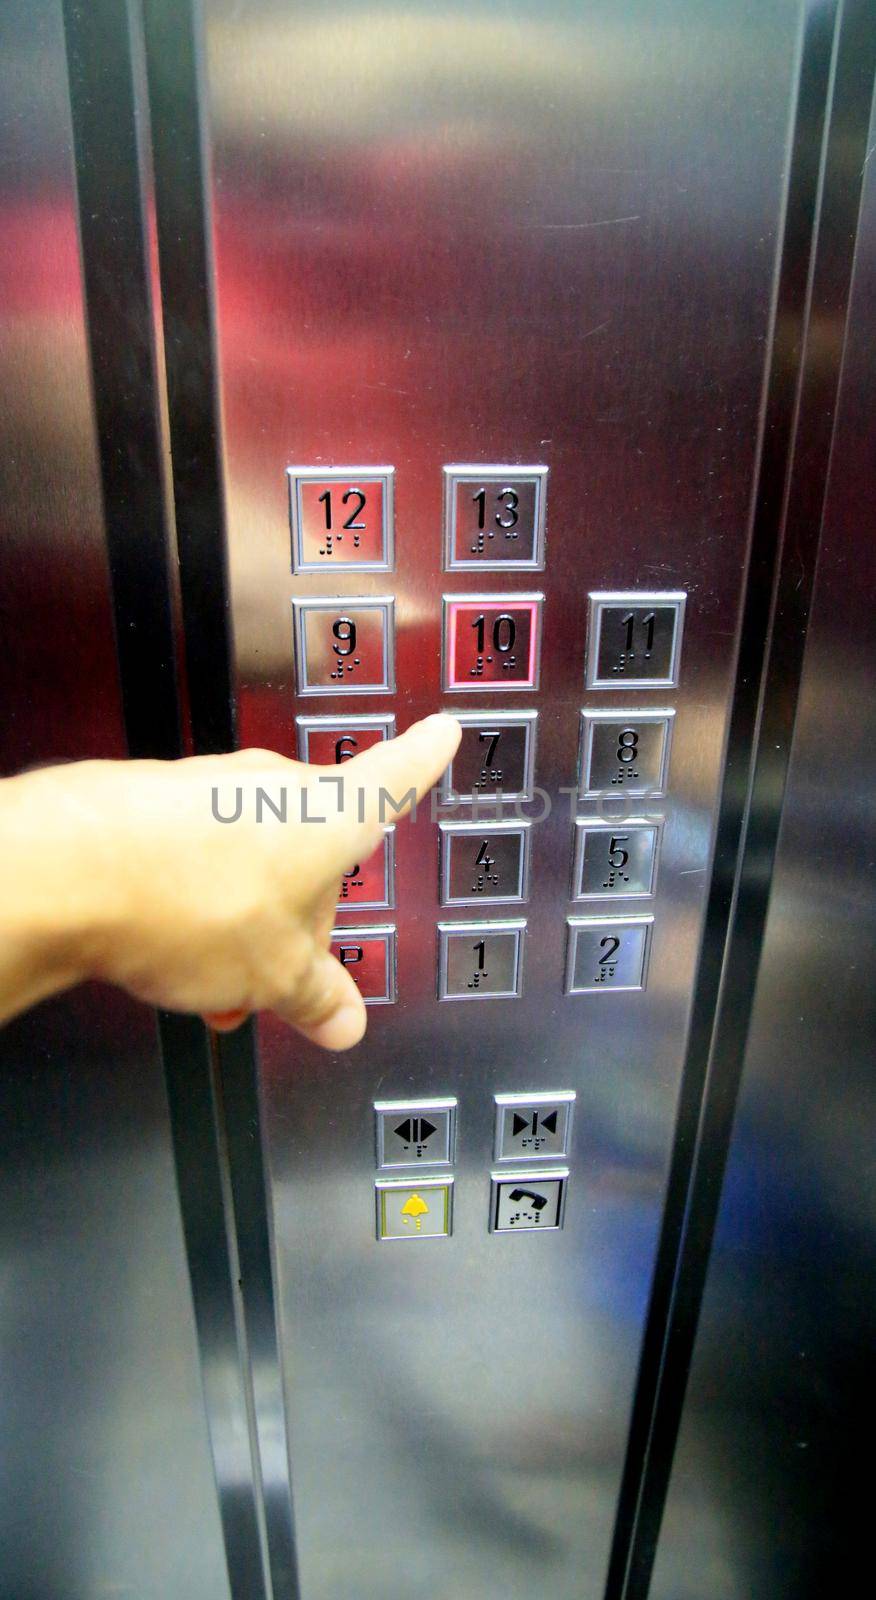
{"x": 839, "y": 58}
{"x": 119, "y": 314}
{"x": 179, "y": 165}
{"x": 118, "y": 311}
{"x": 179, "y": 150}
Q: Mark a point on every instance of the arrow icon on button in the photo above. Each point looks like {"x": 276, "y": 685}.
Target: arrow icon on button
{"x": 548, "y": 1124}
{"x": 415, "y": 1130}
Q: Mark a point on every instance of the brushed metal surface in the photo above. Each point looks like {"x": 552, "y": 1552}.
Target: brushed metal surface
{"x": 765, "y": 1491}
{"x": 533, "y": 234}
{"x": 106, "y": 1478}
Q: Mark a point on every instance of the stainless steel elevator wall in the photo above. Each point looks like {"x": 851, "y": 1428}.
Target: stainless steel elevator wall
{"x": 766, "y": 1482}
{"x": 510, "y": 233}
{"x": 106, "y": 1480}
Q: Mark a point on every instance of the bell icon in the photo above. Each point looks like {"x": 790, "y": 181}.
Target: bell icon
{"x": 414, "y": 1209}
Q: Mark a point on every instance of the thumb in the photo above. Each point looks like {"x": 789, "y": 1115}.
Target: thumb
{"x": 325, "y": 1005}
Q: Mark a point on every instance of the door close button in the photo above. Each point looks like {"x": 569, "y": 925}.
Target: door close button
{"x": 532, "y": 1127}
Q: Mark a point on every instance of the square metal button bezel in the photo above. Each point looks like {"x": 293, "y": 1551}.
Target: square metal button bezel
{"x": 344, "y": 726}
{"x": 515, "y": 927}
{"x": 624, "y": 825}
{"x": 518, "y": 1180}
{"x": 459, "y": 473}
{"x": 413, "y": 1182}
{"x": 387, "y": 901}
{"x": 486, "y": 721}
{"x": 590, "y": 720}
{"x": 386, "y": 1110}
{"x": 601, "y": 601}
{"x": 508, "y": 827}
{"x": 576, "y": 925}
{"x": 342, "y": 605}
{"x": 385, "y": 476}
{"x": 503, "y": 602}
{"x": 385, "y": 932}
{"x": 564, "y": 1100}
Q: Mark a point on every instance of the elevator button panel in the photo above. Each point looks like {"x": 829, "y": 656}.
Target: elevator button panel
{"x": 492, "y": 641}
{"x": 369, "y": 885}
{"x": 528, "y": 1202}
{"x": 494, "y": 517}
{"x": 328, "y": 741}
{"x": 634, "y": 640}
{"x": 624, "y": 752}
{"x": 480, "y": 960}
{"x": 344, "y": 646}
{"x": 484, "y": 861}
{"x": 495, "y": 759}
{"x": 533, "y": 1127}
{"x": 341, "y": 518}
{"x": 368, "y": 954}
{"x": 406, "y": 1210}
{"x": 415, "y": 1132}
{"x": 607, "y": 953}
{"x": 615, "y": 860}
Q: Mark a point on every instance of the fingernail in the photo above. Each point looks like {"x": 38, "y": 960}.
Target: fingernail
{"x": 341, "y": 1030}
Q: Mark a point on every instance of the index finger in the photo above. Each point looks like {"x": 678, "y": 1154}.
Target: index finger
{"x": 391, "y": 776}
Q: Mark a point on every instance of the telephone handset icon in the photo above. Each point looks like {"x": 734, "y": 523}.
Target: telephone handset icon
{"x": 539, "y": 1201}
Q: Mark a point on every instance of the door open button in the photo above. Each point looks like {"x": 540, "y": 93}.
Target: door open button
{"x": 415, "y": 1132}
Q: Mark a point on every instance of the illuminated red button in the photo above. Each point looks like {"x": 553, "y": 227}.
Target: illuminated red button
{"x": 327, "y": 741}
{"x": 368, "y": 954}
{"x": 492, "y": 640}
{"x": 368, "y": 884}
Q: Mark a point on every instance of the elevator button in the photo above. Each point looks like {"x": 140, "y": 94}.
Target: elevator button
{"x": 624, "y": 752}
{"x": 341, "y": 518}
{"x": 532, "y": 1127}
{"x": 607, "y": 953}
{"x": 484, "y": 861}
{"x": 414, "y": 1132}
{"x": 480, "y": 960}
{"x": 344, "y": 646}
{"x": 494, "y": 517}
{"x": 495, "y": 759}
{"x": 528, "y": 1202}
{"x": 635, "y": 640}
{"x": 406, "y": 1210}
{"x": 614, "y": 860}
{"x": 492, "y": 640}
{"x": 368, "y": 954}
{"x": 369, "y": 885}
{"x": 327, "y": 741}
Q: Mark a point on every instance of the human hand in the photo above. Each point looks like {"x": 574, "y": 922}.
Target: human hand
{"x": 138, "y": 883}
